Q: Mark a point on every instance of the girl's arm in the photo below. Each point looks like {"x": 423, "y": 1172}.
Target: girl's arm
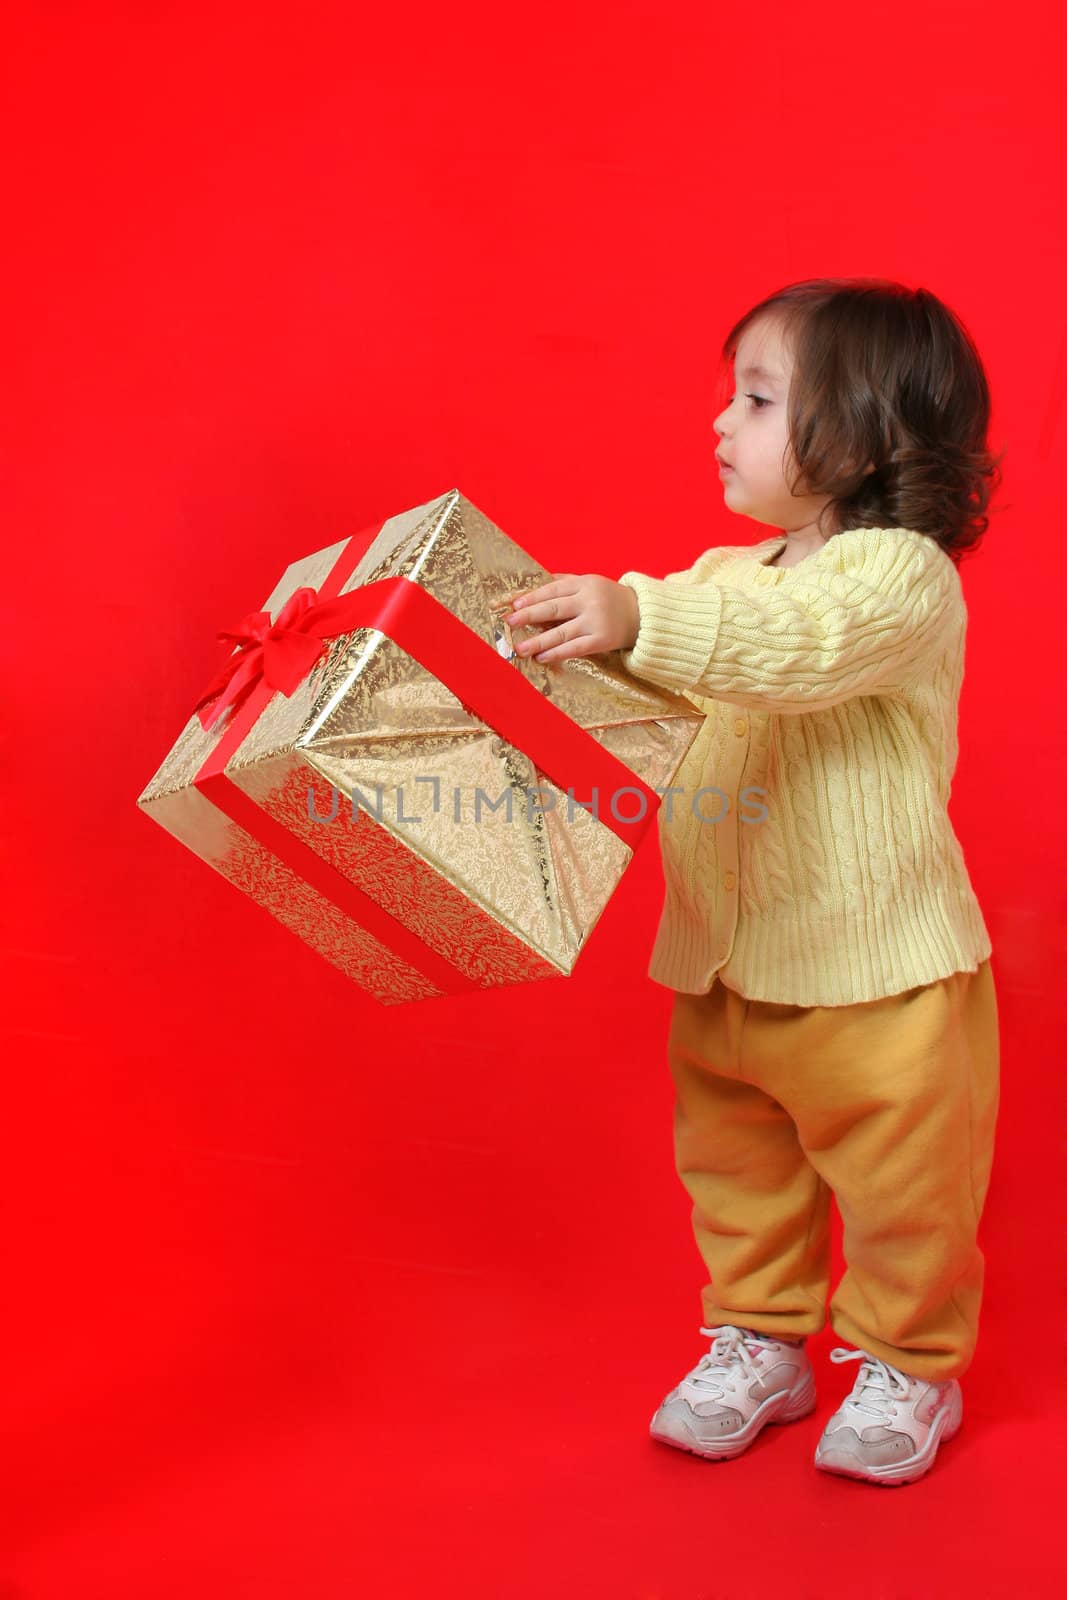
{"x": 820, "y": 637}
{"x": 809, "y": 643}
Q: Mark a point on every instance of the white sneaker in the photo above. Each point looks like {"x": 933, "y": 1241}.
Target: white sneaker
{"x": 888, "y": 1429}
{"x": 747, "y": 1379}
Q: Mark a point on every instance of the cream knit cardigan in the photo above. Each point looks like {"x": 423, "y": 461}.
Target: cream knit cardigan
{"x": 819, "y": 865}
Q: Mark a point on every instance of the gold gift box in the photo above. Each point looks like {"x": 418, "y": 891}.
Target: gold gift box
{"x": 373, "y": 768}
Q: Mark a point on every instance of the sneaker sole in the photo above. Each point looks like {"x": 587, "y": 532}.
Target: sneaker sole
{"x": 791, "y": 1405}
{"x": 946, "y": 1425}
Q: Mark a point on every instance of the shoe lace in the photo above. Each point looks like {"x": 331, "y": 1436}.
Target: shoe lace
{"x": 731, "y": 1347}
{"x": 877, "y": 1384}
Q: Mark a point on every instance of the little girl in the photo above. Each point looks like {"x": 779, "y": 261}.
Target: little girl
{"x": 834, "y": 1021}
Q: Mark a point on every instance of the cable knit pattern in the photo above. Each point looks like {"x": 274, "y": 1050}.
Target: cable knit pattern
{"x": 819, "y": 865}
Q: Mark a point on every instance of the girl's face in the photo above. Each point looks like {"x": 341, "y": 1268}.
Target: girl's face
{"x": 754, "y": 435}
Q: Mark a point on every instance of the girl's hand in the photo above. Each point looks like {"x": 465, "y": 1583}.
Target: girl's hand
{"x": 586, "y": 617}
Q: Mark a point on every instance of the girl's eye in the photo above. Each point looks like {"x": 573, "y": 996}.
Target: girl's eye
{"x": 758, "y": 398}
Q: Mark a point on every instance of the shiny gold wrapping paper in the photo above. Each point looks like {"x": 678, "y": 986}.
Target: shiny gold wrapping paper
{"x": 502, "y": 899}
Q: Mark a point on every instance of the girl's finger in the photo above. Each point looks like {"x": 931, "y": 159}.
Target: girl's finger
{"x": 543, "y": 592}
{"x": 541, "y": 641}
{"x": 583, "y": 646}
{"x": 549, "y": 643}
{"x": 529, "y": 597}
{"x": 530, "y": 615}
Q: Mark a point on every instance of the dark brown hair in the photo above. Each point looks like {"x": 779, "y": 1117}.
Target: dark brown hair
{"x": 889, "y": 376}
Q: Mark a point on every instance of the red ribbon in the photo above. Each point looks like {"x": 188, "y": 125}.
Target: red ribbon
{"x": 280, "y": 654}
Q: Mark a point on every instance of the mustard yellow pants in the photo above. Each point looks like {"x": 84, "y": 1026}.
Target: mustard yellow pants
{"x": 891, "y": 1105}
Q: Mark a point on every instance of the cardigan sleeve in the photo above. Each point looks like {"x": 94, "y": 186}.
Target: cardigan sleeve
{"x": 817, "y": 639}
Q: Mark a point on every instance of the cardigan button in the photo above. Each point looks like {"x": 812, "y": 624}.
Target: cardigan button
{"x": 740, "y": 725}
{"x": 729, "y": 880}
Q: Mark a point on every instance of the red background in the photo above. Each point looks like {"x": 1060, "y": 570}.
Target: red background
{"x": 309, "y": 1297}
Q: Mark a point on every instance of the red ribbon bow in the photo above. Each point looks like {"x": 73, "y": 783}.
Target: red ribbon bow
{"x": 280, "y": 654}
